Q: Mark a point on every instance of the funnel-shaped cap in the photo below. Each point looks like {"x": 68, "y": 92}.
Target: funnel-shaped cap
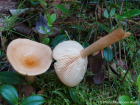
{"x": 29, "y": 57}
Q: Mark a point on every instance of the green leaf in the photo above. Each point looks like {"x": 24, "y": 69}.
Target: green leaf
{"x": 43, "y": 2}
{"x": 85, "y": 44}
{"x": 73, "y": 95}
{"x": 78, "y": 27}
{"x": 128, "y": 14}
{"x": 52, "y": 18}
{"x": 125, "y": 100}
{"x": 63, "y": 9}
{"x": 118, "y": 17}
{"x": 9, "y": 77}
{"x": 58, "y": 39}
{"x": 131, "y": 13}
{"x": 138, "y": 83}
{"x": 34, "y": 2}
{"x": 106, "y": 13}
{"x": 46, "y": 41}
{"x": 33, "y": 100}
{"x": 108, "y": 54}
{"x": 9, "y": 94}
{"x": 42, "y": 28}
{"x": 48, "y": 17}
{"x": 112, "y": 12}
{"x": 49, "y": 25}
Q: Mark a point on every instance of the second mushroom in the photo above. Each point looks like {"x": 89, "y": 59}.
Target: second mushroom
{"x": 71, "y": 57}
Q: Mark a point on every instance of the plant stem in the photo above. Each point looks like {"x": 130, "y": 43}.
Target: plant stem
{"x": 109, "y": 78}
{"x": 130, "y": 64}
{"x": 31, "y": 17}
{"x": 67, "y": 34}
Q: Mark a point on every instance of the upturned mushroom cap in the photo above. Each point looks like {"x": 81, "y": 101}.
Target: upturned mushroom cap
{"x": 29, "y": 57}
{"x": 71, "y": 57}
{"x": 70, "y": 67}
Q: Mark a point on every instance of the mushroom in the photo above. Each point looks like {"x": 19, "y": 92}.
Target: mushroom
{"x": 29, "y": 58}
{"x": 71, "y": 57}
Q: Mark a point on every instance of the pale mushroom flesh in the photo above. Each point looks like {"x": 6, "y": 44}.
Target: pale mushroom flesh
{"x": 70, "y": 66}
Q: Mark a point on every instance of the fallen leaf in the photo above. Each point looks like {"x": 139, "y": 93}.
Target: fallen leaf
{"x": 56, "y": 2}
{"x": 122, "y": 64}
{"x": 23, "y": 29}
{"x": 41, "y": 91}
{"x": 42, "y": 22}
{"x": 27, "y": 90}
{"x": 99, "y": 77}
{"x": 58, "y": 12}
{"x": 100, "y": 11}
{"x": 56, "y": 30}
{"x": 17, "y": 12}
{"x": 113, "y": 68}
{"x": 11, "y": 4}
{"x": 3, "y": 40}
{"x": 96, "y": 63}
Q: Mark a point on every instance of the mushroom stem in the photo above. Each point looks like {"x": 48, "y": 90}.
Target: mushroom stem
{"x": 30, "y": 78}
{"x": 126, "y": 34}
{"x": 109, "y": 39}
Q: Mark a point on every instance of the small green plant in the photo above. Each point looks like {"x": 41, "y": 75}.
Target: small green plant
{"x": 108, "y": 55}
{"x": 12, "y": 97}
{"x": 126, "y": 99}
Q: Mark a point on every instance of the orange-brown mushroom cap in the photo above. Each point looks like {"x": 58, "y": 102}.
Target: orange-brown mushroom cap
{"x": 70, "y": 66}
{"x": 28, "y": 57}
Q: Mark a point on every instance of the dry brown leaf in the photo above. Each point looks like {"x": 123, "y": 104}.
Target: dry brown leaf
{"x": 100, "y": 11}
{"x": 9, "y": 5}
{"x": 122, "y": 64}
{"x": 3, "y": 40}
{"x": 41, "y": 91}
{"x": 23, "y": 29}
{"x": 55, "y": 31}
{"x": 27, "y": 90}
{"x": 57, "y": 11}
{"x": 17, "y": 12}
{"x": 56, "y": 2}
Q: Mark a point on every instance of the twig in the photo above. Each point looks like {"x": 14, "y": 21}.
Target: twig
{"x": 96, "y": 9}
{"x": 30, "y": 18}
{"x": 130, "y": 64}
{"x": 69, "y": 22}
{"x": 5, "y": 5}
{"x": 119, "y": 42}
